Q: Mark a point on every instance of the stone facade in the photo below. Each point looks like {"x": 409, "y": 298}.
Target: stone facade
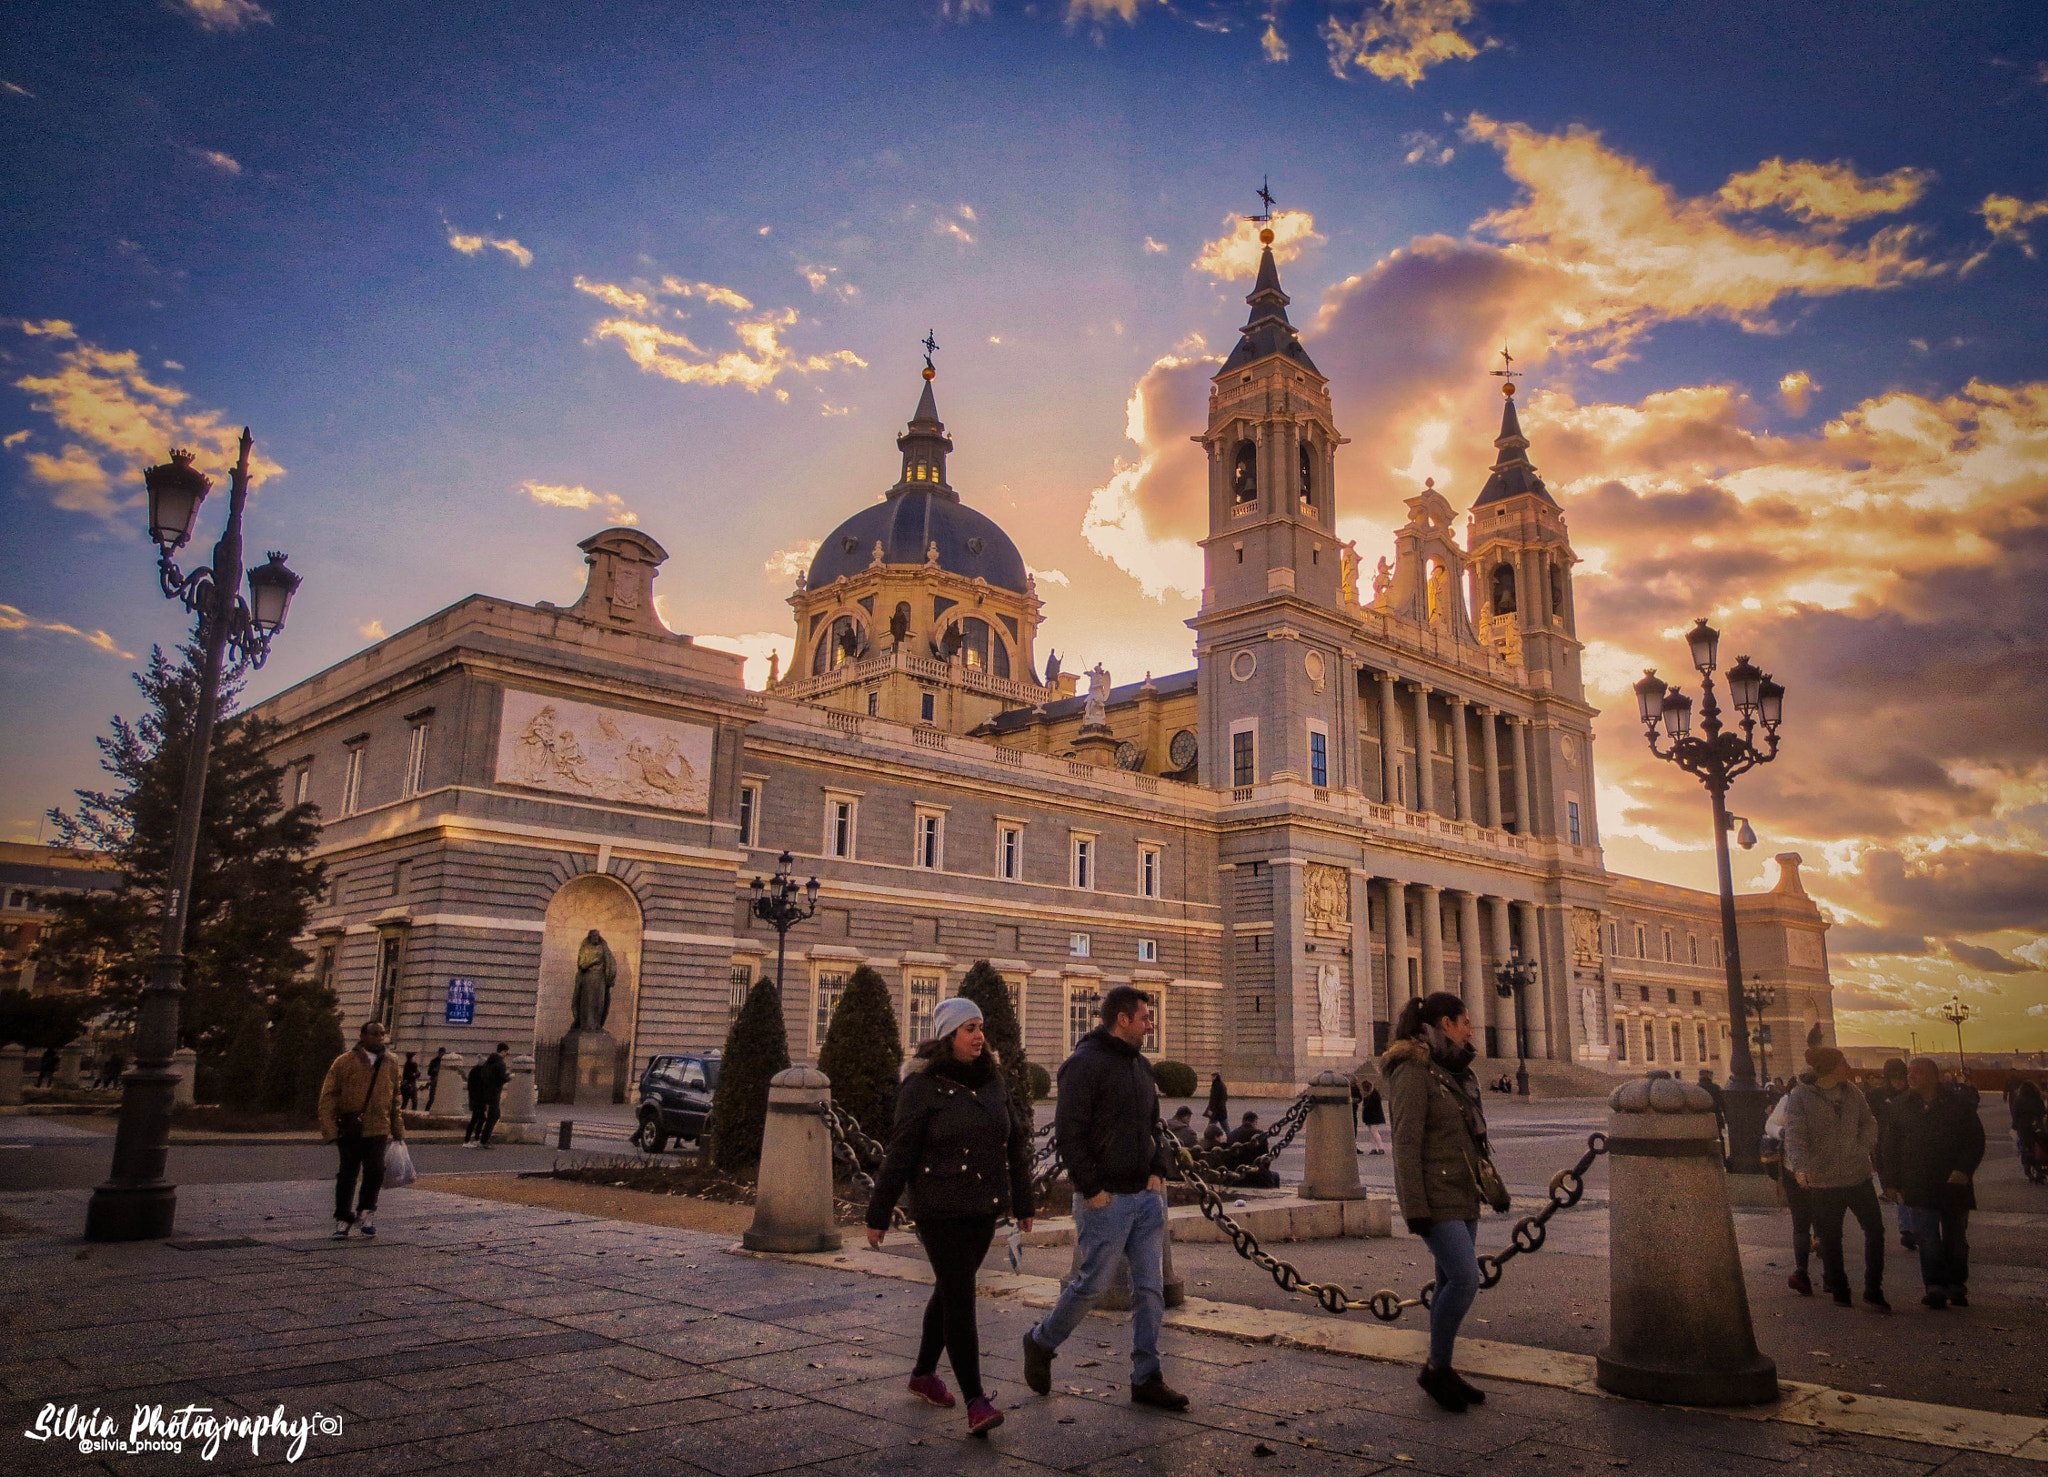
{"x": 1356, "y": 795}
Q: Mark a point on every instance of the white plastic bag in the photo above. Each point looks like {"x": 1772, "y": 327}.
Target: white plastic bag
{"x": 398, "y": 1170}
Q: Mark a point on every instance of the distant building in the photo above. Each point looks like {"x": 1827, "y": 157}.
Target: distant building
{"x": 32, "y": 877}
{"x": 1360, "y": 792}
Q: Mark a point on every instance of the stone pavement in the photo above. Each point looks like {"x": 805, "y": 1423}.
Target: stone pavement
{"x": 473, "y": 1336}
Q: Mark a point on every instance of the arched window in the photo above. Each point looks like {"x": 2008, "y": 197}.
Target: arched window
{"x": 1557, "y": 587}
{"x": 840, "y": 644}
{"x": 1308, "y": 481}
{"x": 1503, "y": 589}
{"x": 1244, "y": 476}
{"x": 980, "y": 647}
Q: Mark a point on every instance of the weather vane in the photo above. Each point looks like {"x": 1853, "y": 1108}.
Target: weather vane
{"x": 931, "y": 347}
{"x": 1507, "y": 371}
{"x": 1264, "y": 222}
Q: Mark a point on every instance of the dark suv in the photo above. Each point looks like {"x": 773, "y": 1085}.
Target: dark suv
{"x": 675, "y": 1099}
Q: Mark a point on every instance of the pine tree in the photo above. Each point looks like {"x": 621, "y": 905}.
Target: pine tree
{"x": 984, "y": 985}
{"x": 756, "y": 1048}
{"x": 860, "y": 1053}
{"x": 252, "y": 885}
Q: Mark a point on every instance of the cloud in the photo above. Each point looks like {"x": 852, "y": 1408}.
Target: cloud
{"x": 2035, "y": 952}
{"x": 761, "y": 359}
{"x": 1271, "y": 43}
{"x": 954, "y": 223}
{"x": 555, "y": 496}
{"x": 792, "y": 562}
{"x": 1154, "y": 248}
{"x": 1978, "y": 957}
{"x": 1852, "y": 998}
{"x": 2007, "y": 218}
{"x": 223, "y": 15}
{"x": 755, "y": 646}
{"x": 1427, "y": 148}
{"x": 1236, "y": 253}
{"x": 1048, "y": 576}
{"x": 825, "y": 280}
{"x": 1823, "y": 192}
{"x": 372, "y": 630}
{"x": 1974, "y": 889}
{"x": 964, "y": 11}
{"x": 1796, "y": 389}
{"x": 14, "y": 439}
{"x": 474, "y": 245}
{"x": 614, "y": 296}
{"x": 1097, "y": 11}
{"x": 16, "y": 89}
{"x": 12, "y": 618}
{"x": 1399, "y": 40}
{"x": 1856, "y": 938}
{"x": 225, "y": 163}
{"x": 118, "y": 421}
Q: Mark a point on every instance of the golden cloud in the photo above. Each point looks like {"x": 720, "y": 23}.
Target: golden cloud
{"x": 2008, "y": 217}
{"x": 1796, "y": 389}
{"x": 792, "y": 562}
{"x": 1823, "y": 192}
{"x": 1235, "y": 254}
{"x": 1399, "y": 40}
{"x": 13, "y": 618}
{"x": 224, "y": 15}
{"x": 761, "y": 359}
{"x": 474, "y": 245}
{"x": 557, "y": 496}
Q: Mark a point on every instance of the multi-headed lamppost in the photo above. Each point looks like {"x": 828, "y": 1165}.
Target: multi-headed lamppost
{"x": 1716, "y": 755}
{"x": 137, "y": 1203}
{"x": 1955, "y": 1013}
{"x": 1757, "y": 999}
{"x": 1511, "y": 977}
{"x": 775, "y": 903}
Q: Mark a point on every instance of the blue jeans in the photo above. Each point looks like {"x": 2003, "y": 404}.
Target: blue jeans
{"x": 1944, "y": 1247}
{"x": 1454, "y": 1244}
{"x": 1132, "y": 1226}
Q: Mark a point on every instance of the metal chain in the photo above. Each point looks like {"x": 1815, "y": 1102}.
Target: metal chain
{"x": 1234, "y": 1171}
{"x": 1567, "y": 1187}
{"x": 853, "y": 1147}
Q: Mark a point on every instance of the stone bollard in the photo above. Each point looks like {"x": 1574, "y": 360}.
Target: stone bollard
{"x": 185, "y": 1062}
{"x": 1332, "y": 1172}
{"x": 793, "y": 1190}
{"x": 11, "y": 1058}
{"x": 519, "y": 1101}
{"x": 1678, "y": 1319}
{"x": 69, "y": 1058}
{"x": 452, "y": 1100}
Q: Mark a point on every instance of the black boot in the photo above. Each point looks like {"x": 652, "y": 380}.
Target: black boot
{"x": 1472, "y": 1393}
{"x": 1442, "y": 1386}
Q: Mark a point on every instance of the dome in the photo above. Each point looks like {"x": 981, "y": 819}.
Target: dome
{"x": 907, "y": 525}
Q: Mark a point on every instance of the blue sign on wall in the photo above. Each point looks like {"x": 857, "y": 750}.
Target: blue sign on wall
{"x": 461, "y": 1002}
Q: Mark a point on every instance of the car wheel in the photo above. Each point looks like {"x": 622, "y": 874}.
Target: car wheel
{"x": 653, "y": 1137}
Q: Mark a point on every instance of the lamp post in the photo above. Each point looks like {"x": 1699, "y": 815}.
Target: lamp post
{"x": 1757, "y": 999}
{"x": 1715, "y": 756}
{"x": 1955, "y": 1013}
{"x": 775, "y": 903}
{"x": 1511, "y": 977}
{"x": 136, "y": 1203}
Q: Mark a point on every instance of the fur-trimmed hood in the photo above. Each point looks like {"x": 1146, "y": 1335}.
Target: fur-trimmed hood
{"x": 1412, "y": 1051}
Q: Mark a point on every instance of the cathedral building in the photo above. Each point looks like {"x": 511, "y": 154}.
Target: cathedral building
{"x": 1361, "y": 791}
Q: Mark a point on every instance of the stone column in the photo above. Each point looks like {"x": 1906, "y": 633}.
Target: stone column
{"x": 1518, "y": 757}
{"x": 12, "y": 1059}
{"x": 1425, "y": 777}
{"x": 185, "y": 1062}
{"x": 1536, "y": 1016}
{"x": 69, "y": 1057}
{"x": 1677, "y": 1309}
{"x": 1461, "y": 760}
{"x": 1477, "y": 988}
{"x": 451, "y": 1097}
{"x": 1431, "y": 903}
{"x": 1364, "y": 1009}
{"x": 1397, "y": 946}
{"x": 1390, "y": 739}
{"x": 1489, "y": 753}
{"x": 1503, "y": 945}
{"x": 1331, "y": 1168}
{"x": 793, "y": 1202}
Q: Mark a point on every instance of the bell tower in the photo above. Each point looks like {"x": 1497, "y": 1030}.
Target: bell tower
{"x": 1521, "y": 560}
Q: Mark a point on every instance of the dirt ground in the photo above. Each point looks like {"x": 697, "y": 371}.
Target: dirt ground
{"x": 682, "y": 1211}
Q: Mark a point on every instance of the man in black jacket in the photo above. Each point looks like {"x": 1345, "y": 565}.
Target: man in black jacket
{"x": 487, "y": 1081}
{"x": 1108, "y": 1109}
{"x": 1931, "y": 1145}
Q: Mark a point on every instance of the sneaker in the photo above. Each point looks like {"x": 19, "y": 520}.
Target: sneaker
{"x": 1935, "y": 1301}
{"x": 1800, "y": 1283}
{"x": 366, "y": 1223}
{"x": 1442, "y": 1387}
{"x": 1158, "y": 1394}
{"x": 471, "y": 1144}
{"x": 340, "y": 1229}
{"x": 932, "y": 1391}
{"x": 1379, "y": 1151}
{"x": 1875, "y": 1298}
{"x": 1037, "y": 1366}
{"x": 982, "y": 1415}
{"x": 1472, "y": 1393}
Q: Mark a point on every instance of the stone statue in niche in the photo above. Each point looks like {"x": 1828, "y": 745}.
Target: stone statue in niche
{"x": 899, "y": 623}
{"x": 1095, "y": 710}
{"x": 1326, "y": 894}
{"x": 596, "y": 972}
{"x": 1348, "y": 582}
{"x": 1052, "y": 667}
{"x": 1503, "y": 589}
{"x": 1586, "y": 937}
{"x": 1330, "y": 1000}
{"x": 1382, "y": 578}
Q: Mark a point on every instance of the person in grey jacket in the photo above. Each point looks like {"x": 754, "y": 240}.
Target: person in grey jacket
{"x": 1831, "y": 1137}
{"x": 1439, "y": 1134}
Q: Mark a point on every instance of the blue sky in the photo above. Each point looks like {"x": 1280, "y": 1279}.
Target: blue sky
{"x": 1772, "y": 271}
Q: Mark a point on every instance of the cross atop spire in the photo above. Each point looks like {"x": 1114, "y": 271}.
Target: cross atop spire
{"x": 931, "y": 347}
{"x": 1507, "y": 371}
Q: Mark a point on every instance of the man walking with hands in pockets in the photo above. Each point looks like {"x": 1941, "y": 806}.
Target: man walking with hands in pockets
{"x": 1108, "y": 1109}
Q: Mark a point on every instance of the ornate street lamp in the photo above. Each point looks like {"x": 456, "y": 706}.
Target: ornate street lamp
{"x": 1715, "y": 756}
{"x": 1757, "y": 999}
{"x": 1512, "y": 977}
{"x": 1955, "y": 1013}
{"x": 136, "y": 1203}
{"x": 775, "y": 903}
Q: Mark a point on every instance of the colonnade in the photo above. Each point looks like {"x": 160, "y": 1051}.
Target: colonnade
{"x": 1462, "y": 804}
{"x": 1514, "y": 923}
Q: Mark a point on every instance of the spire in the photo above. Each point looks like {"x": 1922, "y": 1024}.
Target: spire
{"x": 1512, "y": 475}
{"x": 1268, "y": 330}
{"x": 924, "y": 443}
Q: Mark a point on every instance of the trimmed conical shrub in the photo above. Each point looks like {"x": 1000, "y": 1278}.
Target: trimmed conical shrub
{"x": 861, "y": 1053}
{"x": 756, "y": 1048}
{"x": 984, "y": 986}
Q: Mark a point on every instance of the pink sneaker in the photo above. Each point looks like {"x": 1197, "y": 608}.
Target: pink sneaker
{"x": 932, "y": 1391}
{"x": 982, "y": 1416}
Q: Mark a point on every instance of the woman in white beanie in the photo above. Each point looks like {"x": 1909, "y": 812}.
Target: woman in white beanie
{"x": 966, "y": 1163}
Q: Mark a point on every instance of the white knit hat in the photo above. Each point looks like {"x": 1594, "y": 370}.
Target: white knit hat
{"x": 950, "y": 1014}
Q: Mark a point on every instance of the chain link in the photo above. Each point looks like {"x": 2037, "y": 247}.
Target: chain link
{"x": 1567, "y": 1186}
{"x": 856, "y": 1149}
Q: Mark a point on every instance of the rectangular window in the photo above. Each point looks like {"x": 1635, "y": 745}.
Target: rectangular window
{"x": 874, "y": 704}
{"x": 1571, "y": 810}
{"x": 1714, "y": 1044}
{"x": 1671, "y": 997}
{"x": 928, "y": 707}
{"x": 1148, "y": 951}
{"x": 390, "y": 963}
{"x": 352, "y": 780}
{"x": 750, "y": 815}
{"x": 1082, "y": 1005}
{"x": 1621, "y": 1041}
{"x": 1319, "y": 761}
{"x": 1645, "y": 992}
{"x": 1677, "y": 1042}
{"x": 831, "y": 985}
{"x": 1642, "y": 944}
{"x": 1151, "y": 1042}
{"x": 1077, "y": 945}
{"x": 1703, "y": 1043}
{"x": 1667, "y": 946}
{"x": 1243, "y": 769}
{"x": 1084, "y": 861}
{"x": 1010, "y": 853}
{"x": 1715, "y": 946}
{"x": 1696, "y": 998}
{"x": 323, "y": 972}
{"x": 1614, "y": 938}
{"x": 924, "y": 998}
{"x": 930, "y": 837}
{"x": 416, "y": 760}
{"x": 1649, "y": 1041}
{"x": 841, "y": 817}
{"x": 302, "y": 784}
{"x": 1149, "y": 870}
{"x": 739, "y": 980}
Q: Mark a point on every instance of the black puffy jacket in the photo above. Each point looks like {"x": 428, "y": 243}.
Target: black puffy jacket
{"x": 1923, "y": 1143}
{"x": 1108, "y": 1109}
{"x": 954, "y": 1147}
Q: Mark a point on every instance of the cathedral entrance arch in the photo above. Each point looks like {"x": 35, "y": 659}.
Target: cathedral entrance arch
{"x": 592, "y": 901}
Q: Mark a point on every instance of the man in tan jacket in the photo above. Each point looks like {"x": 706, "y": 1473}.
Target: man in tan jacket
{"x": 358, "y": 1114}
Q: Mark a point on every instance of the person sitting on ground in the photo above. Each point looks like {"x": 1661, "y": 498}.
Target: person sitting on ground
{"x": 1928, "y": 1153}
{"x": 1830, "y": 1136}
{"x": 1247, "y": 1128}
{"x": 1213, "y": 1137}
{"x": 1182, "y": 1126}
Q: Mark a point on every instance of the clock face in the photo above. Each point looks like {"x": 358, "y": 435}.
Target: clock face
{"x": 1183, "y": 749}
{"x": 1129, "y": 755}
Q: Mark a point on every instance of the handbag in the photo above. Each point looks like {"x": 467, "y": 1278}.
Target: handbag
{"x": 398, "y": 1169}
{"x": 350, "y": 1125}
